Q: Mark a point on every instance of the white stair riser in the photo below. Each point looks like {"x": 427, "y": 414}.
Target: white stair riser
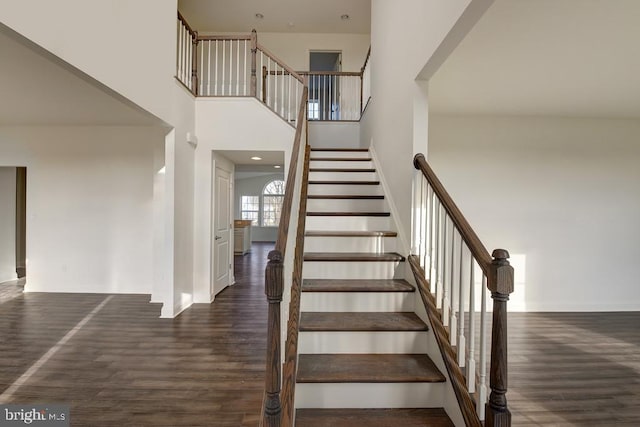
{"x": 343, "y": 176}
{"x": 349, "y": 270}
{"x": 341, "y": 164}
{"x": 369, "y": 395}
{"x": 357, "y": 301}
{"x": 346, "y": 205}
{"x": 349, "y": 244}
{"x": 408, "y": 342}
{"x": 338, "y": 189}
{"x": 351, "y": 223}
{"x": 341, "y": 154}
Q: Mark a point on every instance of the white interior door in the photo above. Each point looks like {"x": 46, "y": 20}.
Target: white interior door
{"x": 222, "y": 231}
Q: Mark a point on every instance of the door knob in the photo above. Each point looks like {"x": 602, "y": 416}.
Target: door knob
{"x": 218, "y": 237}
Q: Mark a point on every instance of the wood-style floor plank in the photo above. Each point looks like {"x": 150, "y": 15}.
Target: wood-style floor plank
{"x": 360, "y": 321}
{"x": 127, "y": 367}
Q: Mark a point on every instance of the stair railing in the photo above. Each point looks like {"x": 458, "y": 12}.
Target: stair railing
{"x": 334, "y": 95}
{"x": 366, "y": 82}
{"x": 282, "y": 281}
{"x": 186, "y": 63}
{"x": 453, "y": 270}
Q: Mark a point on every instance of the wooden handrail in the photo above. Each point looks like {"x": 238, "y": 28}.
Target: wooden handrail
{"x": 366, "y": 60}
{"x": 290, "y": 368}
{"x": 280, "y": 63}
{"x": 470, "y": 237}
{"x": 274, "y": 285}
{"x": 194, "y": 34}
{"x": 214, "y": 37}
{"x": 283, "y": 228}
{"x": 331, "y": 73}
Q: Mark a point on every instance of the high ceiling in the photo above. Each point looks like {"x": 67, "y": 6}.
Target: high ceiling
{"x": 39, "y": 89}
{"x": 576, "y": 58}
{"x": 297, "y": 16}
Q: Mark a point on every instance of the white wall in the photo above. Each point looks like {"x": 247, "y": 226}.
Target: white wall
{"x": 227, "y": 124}
{"x": 560, "y": 194}
{"x": 253, "y": 187}
{"x": 89, "y": 206}
{"x": 7, "y": 224}
{"x": 127, "y": 45}
{"x": 177, "y": 291}
{"x": 334, "y": 134}
{"x": 294, "y": 48}
{"x": 403, "y": 41}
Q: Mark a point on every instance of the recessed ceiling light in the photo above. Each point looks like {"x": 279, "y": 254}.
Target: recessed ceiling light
{"x": 259, "y": 16}
{"x": 256, "y": 158}
{"x": 345, "y": 17}
{"x": 277, "y": 166}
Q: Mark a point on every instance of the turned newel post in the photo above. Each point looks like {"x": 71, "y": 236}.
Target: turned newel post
{"x": 194, "y": 64}
{"x": 254, "y": 51}
{"x": 274, "y": 285}
{"x": 500, "y": 283}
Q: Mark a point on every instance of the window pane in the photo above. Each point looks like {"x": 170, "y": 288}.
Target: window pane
{"x": 249, "y": 208}
{"x": 271, "y": 209}
{"x": 274, "y": 187}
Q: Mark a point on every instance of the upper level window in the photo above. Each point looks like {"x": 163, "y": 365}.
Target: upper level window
{"x": 272, "y": 198}
{"x": 314, "y": 109}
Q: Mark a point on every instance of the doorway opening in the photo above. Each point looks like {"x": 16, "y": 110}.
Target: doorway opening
{"x": 13, "y": 203}
{"x": 324, "y": 85}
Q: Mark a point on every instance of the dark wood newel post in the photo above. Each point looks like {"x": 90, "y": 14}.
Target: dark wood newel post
{"x": 500, "y": 283}
{"x": 254, "y": 51}
{"x": 194, "y": 64}
{"x": 274, "y": 285}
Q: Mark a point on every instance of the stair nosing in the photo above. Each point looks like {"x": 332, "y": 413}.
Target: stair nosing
{"x": 316, "y": 182}
{"x": 353, "y": 257}
{"x": 346, "y": 196}
{"x": 340, "y": 159}
{"x": 357, "y": 150}
{"x": 356, "y": 286}
{"x": 343, "y": 170}
{"x": 345, "y": 233}
{"x": 375, "y": 214}
{"x": 413, "y": 323}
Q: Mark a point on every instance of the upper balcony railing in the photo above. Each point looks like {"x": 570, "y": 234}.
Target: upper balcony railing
{"x": 238, "y": 66}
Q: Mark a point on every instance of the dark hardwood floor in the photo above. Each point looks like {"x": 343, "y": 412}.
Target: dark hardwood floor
{"x": 127, "y": 367}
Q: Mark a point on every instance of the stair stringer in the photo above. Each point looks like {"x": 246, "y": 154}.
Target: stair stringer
{"x": 449, "y": 400}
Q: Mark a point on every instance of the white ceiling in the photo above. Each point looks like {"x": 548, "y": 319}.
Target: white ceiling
{"x": 243, "y": 158}
{"x": 546, "y": 57}
{"x": 307, "y": 16}
{"x": 36, "y": 88}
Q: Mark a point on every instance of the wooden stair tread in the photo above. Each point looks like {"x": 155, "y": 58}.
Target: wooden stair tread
{"x": 348, "y": 213}
{"x": 344, "y": 182}
{"x": 373, "y": 417}
{"x": 361, "y": 321}
{"x": 323, "y": 233}
{"x": 354, "y": 150}
{"x": 367, "y": 368}
{"x": 340, "y": 159}
{"x": 340, "y": 170}
{"x": 353, "y": 256}
{"x": 346, "y": 196}
{"x": 356, "y": 285}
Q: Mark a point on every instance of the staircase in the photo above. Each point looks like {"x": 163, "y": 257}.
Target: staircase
{"x": 363, "y": 349}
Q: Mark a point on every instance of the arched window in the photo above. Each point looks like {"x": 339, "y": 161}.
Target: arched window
{"x": 272, "y": 197}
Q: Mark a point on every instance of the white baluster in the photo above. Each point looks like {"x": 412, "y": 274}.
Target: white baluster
{"x": 275, "y": 89}
{"x": 436, "y": 260}
{"x": 238, "y": 68}
{"x": 224, "y": 60}
{"x": 453, "y": 322}
{"x": 208, "y": 68}
{"x": 215, "y": 83}
{"x": 289, "y": 100}
{"x": 471, "y": 357}
{"x": 461, "y": 293}
{"x": 445, "y": 297}
{"x": 245, "y": 69}
{"x": 482, "y": 383}
{"x": 268, "y": 78}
